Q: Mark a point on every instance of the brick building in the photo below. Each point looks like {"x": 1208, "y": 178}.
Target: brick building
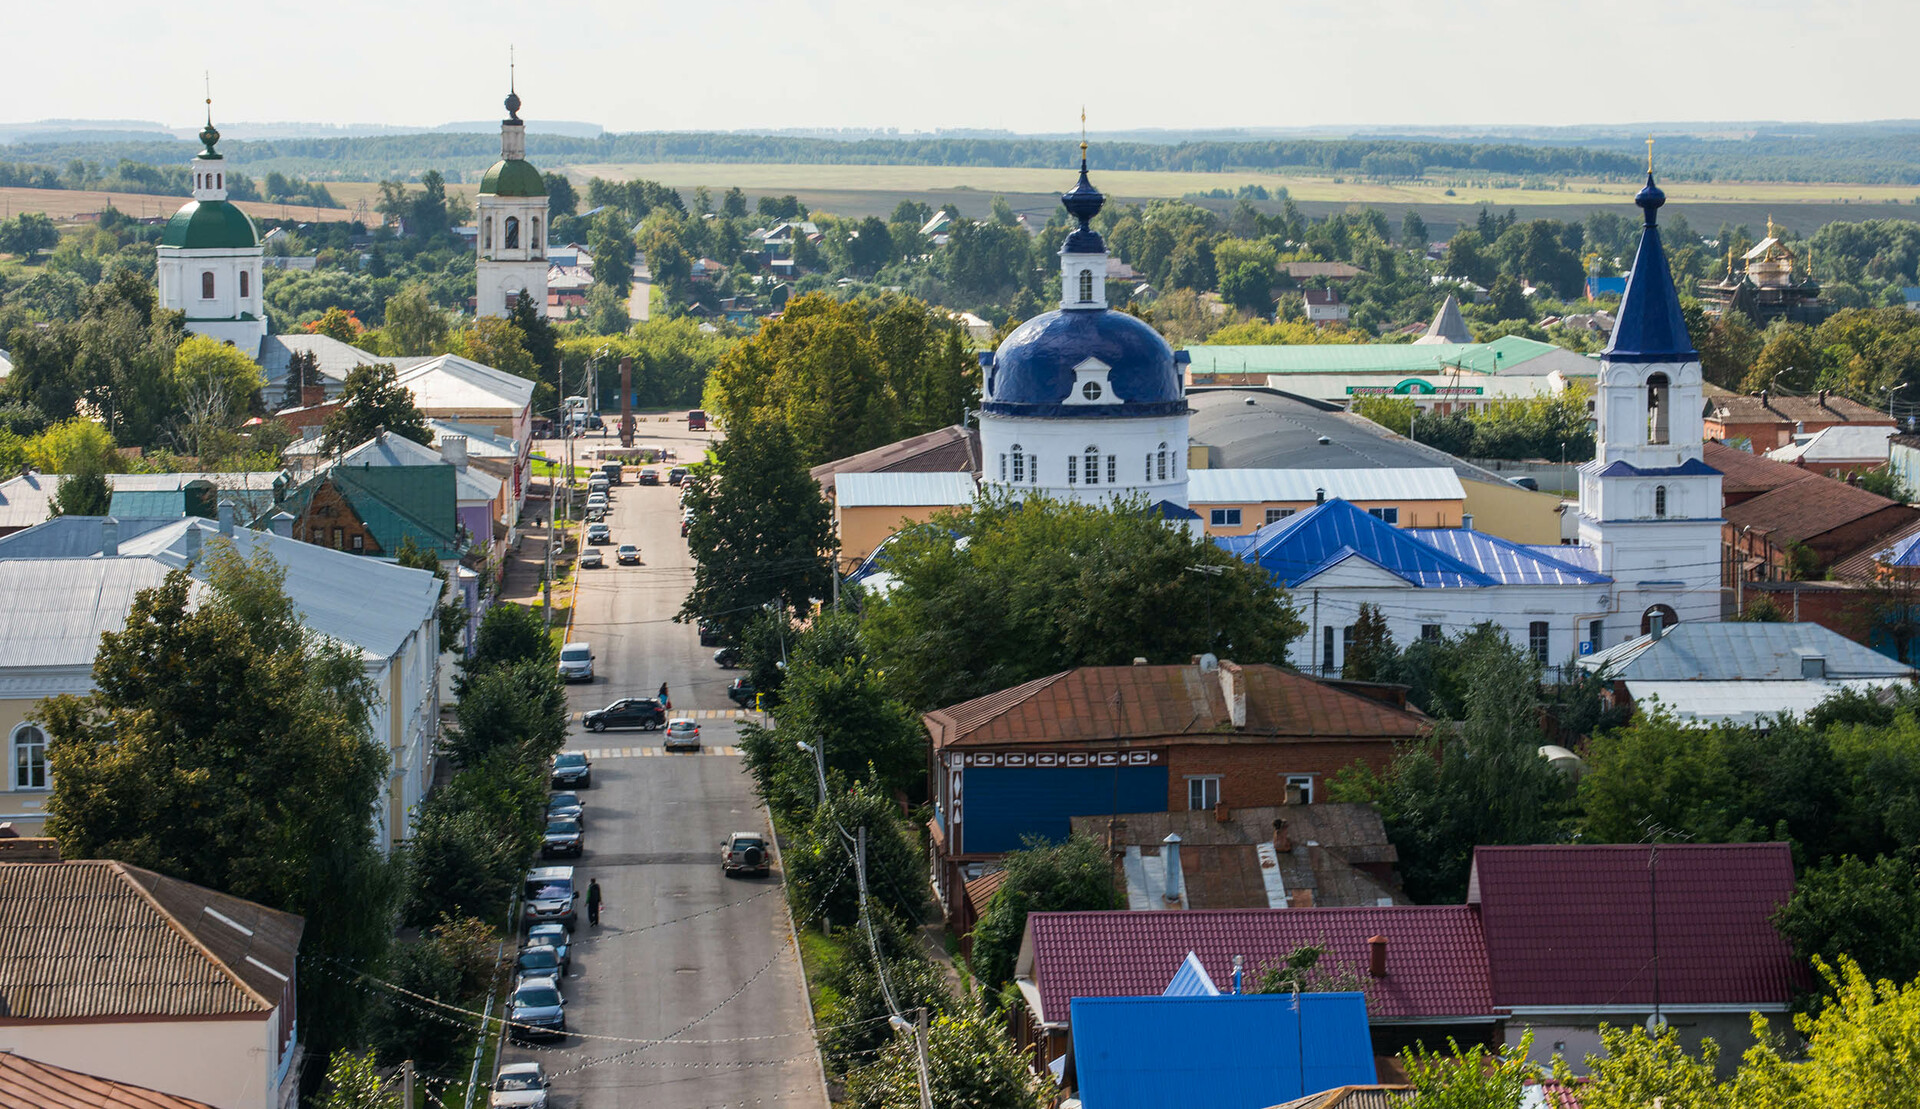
{"x": 1770, "y": 422}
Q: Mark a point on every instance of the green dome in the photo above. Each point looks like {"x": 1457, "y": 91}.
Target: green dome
{"x": 513, "y": 177}
{"x": 210, "y": 225}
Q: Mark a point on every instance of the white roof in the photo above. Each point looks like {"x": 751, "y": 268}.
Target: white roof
{"x": 451, "y": 382}
{"x": 902, "y": 490}
{"x": 482, "y": 442}
{"x": 388, "y": 449}
{"x": 1745, "y": 702}
{"x": 1251, "y": 486}
{"x": 56, "y": 608}
{"x": 1839, "y": 443}
{"x": 334, "y": 359}
{"x": 26, "y": 500}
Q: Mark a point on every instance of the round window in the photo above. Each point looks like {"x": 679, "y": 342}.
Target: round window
{"x": 1091, "y": 390}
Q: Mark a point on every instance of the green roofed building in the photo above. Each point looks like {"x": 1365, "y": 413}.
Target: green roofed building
{"x": 512, "y": 218}
{"x": 210, "y": 258}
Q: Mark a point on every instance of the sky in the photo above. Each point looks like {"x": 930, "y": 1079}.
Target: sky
{"x": 636, "y": 65}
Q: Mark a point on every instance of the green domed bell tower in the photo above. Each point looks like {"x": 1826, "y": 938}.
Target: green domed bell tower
{"x": 512, "y": 214}
{"x": 210, "y": 257}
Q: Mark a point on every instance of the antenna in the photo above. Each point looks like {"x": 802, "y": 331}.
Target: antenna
{"x": 510, "y": 63}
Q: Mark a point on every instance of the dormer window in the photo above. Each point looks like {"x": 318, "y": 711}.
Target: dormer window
{"x": 1091, "y": 385}
{"x": 1086, "y": 286}
{"x": 1091, "y": 390}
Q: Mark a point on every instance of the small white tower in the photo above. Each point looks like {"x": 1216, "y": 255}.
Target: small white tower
{"x": 512, "y": 215}
{"x": 1649, "y": 504}
{"x": 210, "y": 257}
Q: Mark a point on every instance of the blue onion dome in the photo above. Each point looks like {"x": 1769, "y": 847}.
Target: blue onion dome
{"x": 1650, "y": 198}
{"x": 1032, "y": 372}
{"x": 1083, "y": 203}
{"x": 513, "y": 106}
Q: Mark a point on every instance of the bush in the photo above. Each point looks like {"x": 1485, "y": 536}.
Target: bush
{"x": 820, "y": 866}
{"x": 472, "y": 839}
{"x": 519, "y": 707}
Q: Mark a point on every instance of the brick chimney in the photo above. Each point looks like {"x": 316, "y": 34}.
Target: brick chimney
{"x": 1222, "y": 814}
{"x": 1233, "y": 686}
{"x": 311, "y": 395}
{"x": 1282, "y": 839}
{"x": 1377, "y": 956}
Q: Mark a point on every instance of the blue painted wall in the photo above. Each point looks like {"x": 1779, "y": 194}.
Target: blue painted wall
{"x": 1002, "y": 804}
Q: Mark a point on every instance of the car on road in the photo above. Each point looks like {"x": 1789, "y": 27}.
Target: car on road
{"x": 571, "y": 770}
{"x": 556, "y": 937}
{"x": 726, "y": 658}
{"x": 520, "y": 1086}
{"x": 538, "y": 1012}
{"x": 562, "y": 837}
{"x": 744, "y": 853}
{"x": 649, "y": 476}
{"x": 628, "y": 553}
{"x": 678, "y": 475}
{"x": 596, "y": 502}
{"x": 599, "y": 533}
{"x": 682, "y": 732}
{"x": 566, "y": 805}
{"x": 1525, "y": 482}
{"x": 592, "y": 559}
{"x": 549, "y": 896}
{"x": 576, "y": 661}
{"x": 696, "y": 420}
{"x": 599, "y": 485}
{"x": 613, "y": 470}
{"x": 741, "y": 692}
{"x": 709, "y": 634}
{"x": 537, "y": 960}
{"x": 644, "y": 713}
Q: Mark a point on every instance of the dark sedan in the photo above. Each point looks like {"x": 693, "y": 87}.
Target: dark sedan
{"x": 563, "y": 837}
{"x": 571, "y": 770}
{"x": 644, "y": 713}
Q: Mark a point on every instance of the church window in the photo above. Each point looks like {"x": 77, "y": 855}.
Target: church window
{"x": 245, "y": 285}
{"x": 1091, "y": 390}
{"x": 29, "y": 757}
{"x": 486, "y": 233}
{"x": 513, "y": 233}
{"x": 1659, "y": 400}
{"x": 533, "y": 238}
{"x": 1073, "y": 469}
{"x": 206, "y": 285}
{"x": 219, "y": 180}
{"x": 1659, "y": 500}
{"x": 1163, "y": 462}
{"x": 1093, "y": 465}
{"x": 1019, "y": 465}
{"x": 1086, "y": 287}
{"x": 1003, "y": 467}
{"x": 1113, "y": 469}
{"x": 1538, "y": 638}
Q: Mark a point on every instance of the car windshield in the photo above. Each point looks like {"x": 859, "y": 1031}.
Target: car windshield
{"x": 575, "y": 654}
{"x": 563, "y": 828}
{"x": 511, "y": 1083}
{"x": 553, "y": 890}
{"x": 537, "y": 997}
{"x": 563, "y": 800}
{"x": 570, "y": 758}
{"x": 539, "y": 955}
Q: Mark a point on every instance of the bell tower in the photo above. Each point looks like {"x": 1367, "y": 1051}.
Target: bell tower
{"x": 512, "y": 218}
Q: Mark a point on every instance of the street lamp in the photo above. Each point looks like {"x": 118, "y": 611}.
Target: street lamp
{"x": 1890, "y": 395}
{"x": 818, "y": 751}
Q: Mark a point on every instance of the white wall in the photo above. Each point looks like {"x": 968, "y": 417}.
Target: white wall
{"x": 1129, "y": 441}
{"x": 225, "y": 1063}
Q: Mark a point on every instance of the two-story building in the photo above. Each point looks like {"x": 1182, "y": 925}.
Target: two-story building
{"x": 1768, "y": 422}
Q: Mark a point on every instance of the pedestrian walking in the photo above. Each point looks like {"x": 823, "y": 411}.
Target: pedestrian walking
{"x": 593, "y": 902}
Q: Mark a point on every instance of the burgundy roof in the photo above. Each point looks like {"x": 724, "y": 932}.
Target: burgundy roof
{"x": 1572, "y": 925}
{"x": 1436, "y": 956}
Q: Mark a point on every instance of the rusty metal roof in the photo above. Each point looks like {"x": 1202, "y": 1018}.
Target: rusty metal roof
{"x": 31, "y": 1084}
{"x": 94, "y": 940}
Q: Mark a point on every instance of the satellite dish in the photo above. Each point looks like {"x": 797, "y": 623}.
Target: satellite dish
{"x": 1209, "y": 663}
{"x": 1656, "y": 1024}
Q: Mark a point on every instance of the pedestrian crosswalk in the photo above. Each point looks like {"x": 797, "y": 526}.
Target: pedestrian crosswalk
{"x": 704, "y": 714}
{"x": 652, "y": 752}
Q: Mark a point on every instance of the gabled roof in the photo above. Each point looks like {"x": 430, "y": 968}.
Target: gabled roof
{"x": 1839, "y": 443}
{"x": 1447, "y": 326}
{"x": 334, "y": 358}
{"x": 1436, "y": 955}
{"x": 1828, "y": 408}
{"x": 1574, "y": 925}
{"x": 1806, "y": 509}
{"x": 1746, "y": 472}
{"x": 1300, "y": 547}
{"x": 1692, "y": 467}
{"x": 1507, "y": 562}
{"x": 450, "y": 384}
{"x": 1422, "y": 483}
{"x": 1694, "y": 651}
{"x": 55, "y": 609}
{"x": 943, "y": 450}
{"x": 1899, "y": 548}
{"x": 27, "y": 500}
{"x": 1355, "y": 1097}
{"x": 395, "y": 503}
{"x": 1649, "y": 326}
{"x": 390, "y": 451}
{"x": 99, "y": 940}
{"x": 31, "y": 1084}
{"x": 1098, "y": 704}
{"x": 1325, "y": 298}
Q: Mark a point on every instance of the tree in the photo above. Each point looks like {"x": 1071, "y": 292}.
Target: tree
{"x": 1466, "y": 258}
{"x": 821, "y": 869}
{"x": 611, "y": 244}
{"x": 72, "y": 446}
{"x": 509, "y": 634}
{"x": 1074, "y": 876}
{"x": 519, "y": 707}
{"x": 373, "y": 400}
{"x": 1637, "y": 1068}
{"x": 84, "y": 492}
{"x": 1371, "y": 657}
{"x": 1077, "y": 585}
{"x": 353, "y": 1082}
{"x": 472, "y": 838}
{"x": 1248, "y": 286}
{"x": 1413, "y": 231}
{"x": 971, "y": 1065}
{"x": 562, "y": 200}
{"x": 338, "y": 324}
{"x": 536, "y": 334}
{"x": 1470, "y": 1077}
{"x": 215, "y": 377}
{"x": 760, "y": 529}
{"x": 112, "y": 364}
{"x": 453, "y": 611}
{"x": 28, "y": 232}
{"x": 303, "y": 373}
{"x": 492, "y": 341}
{"x": 1865, "y": 911}
{"x": 227, "y": 745}
{"x": 1506, "y": 300}
{"x": 1858, "y": 1051}
{"x": 415, "y": 326}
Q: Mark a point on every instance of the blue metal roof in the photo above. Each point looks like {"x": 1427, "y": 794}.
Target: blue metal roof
{"x": 1304, "y": 545}
{"x": 1508, "y": 563}
{"x": 1649, "y": 326}
{"x": 1167, "y": 510}
{"x": 1032, "y": 372}
{"x": 1692, "y": 467}
{"x": 1191, "y": 980}
{"x": 1233, "y": 1051}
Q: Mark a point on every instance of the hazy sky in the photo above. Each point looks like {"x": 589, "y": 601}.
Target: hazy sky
{"x": 642, "y": 64}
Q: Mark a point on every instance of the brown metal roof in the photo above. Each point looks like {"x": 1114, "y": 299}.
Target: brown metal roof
{"x": 1746, "y": 472}
{"x": 94, "y": 940}
{"x": 944, "y": 450}
{"x": 981, "y": 890}
{"x": 1805, "y": 509}
{"x": 1099, "y": 704}
{"x": 1354, "y": 1097}
{"x": 30, "y": 1084}
{"x": 1813, "y": 409}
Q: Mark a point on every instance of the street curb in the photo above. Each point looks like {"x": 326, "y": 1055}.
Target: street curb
{"x": 793, "y": 937}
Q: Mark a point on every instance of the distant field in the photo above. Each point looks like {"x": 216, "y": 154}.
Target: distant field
{"x": 65, "y": 204}
{"x": 351, "y": 193}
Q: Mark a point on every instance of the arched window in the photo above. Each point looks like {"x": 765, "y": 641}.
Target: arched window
{"x": 1019, "y": 465}
{"x": 1667, "y": 617}
{"x": 486, "y": 233}
{"x": 533, "y": 239}
{"x": 206, "y": 285}
{"x": 1658, "y": 403}
{"x": 29, "y": 757}
{"x": 1086, "y": 286}
{"x": 1659, "y": 500}
{"x": 1163, "y": 462}
{"x": 219, "y": 180}
{"x": 244, "y": 285}
{"x": 1093, "y": 465}
{"x": 513, "y": 233}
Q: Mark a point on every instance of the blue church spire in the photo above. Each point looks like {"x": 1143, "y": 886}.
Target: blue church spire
{"x": 1650, "y": 327}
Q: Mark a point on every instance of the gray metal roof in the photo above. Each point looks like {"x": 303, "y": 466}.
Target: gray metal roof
{"x": 1261, "y": 429}
{"x": 25, "y": 500}
{"x": 902, "y": 489}
{"x": 55, "y": 609}
{"x": 1698, "y": 651}
{"x": 388, "y": 449}
{"x": 334, "y": 358}
{"x": 1426, "y": 483}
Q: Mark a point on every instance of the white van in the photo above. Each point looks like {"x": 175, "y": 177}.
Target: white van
{"x": 576, "y": 662}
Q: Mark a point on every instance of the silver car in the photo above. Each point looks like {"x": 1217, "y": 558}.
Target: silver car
{"x": 576, "y": 662}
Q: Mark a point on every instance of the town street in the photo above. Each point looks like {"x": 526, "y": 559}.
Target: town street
{"x": 683, "y": 952}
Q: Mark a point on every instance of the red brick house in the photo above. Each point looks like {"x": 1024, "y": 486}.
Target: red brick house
{"x": 1139, "y": 739}
{"x": 1770, "y": 421}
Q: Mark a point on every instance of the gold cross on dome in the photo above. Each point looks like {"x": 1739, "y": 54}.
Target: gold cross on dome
{"x": 1649, "y": 153}
{"x": 1083, "y": 131}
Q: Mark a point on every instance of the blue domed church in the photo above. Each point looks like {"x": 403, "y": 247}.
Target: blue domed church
{"x": 1085, "y": 403}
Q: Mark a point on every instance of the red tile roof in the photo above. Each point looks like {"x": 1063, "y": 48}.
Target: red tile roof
{"x": 31, "y": 1084}
{"x": 1098, "y": 704}
{"x": 1746, "y": 472}
{"x": 1805, "y": 509}
{"x": 1572, "y": 925}
{"x": 1436, "y": 956}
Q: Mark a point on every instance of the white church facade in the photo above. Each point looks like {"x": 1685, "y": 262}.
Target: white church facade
{"x": 511, "y": 213}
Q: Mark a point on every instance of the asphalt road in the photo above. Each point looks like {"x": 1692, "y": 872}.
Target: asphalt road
{"x": 725, "y": 987}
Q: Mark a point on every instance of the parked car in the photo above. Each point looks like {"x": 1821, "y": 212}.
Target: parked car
{"x": 520, "y": 1086}
{"x": 566, "y": 806}
{"x": 744, "y": 853}
{"x": 613, "y": 470}
{"x": 538, "y": 1012}
{"x": 563, "y": 837}
{"x": 1525, "y": 482}
{"x": 556, "y": 937}
{"x": 649, "y": 476}
{"x": 628, "y": 553}
{"x": 549, "y": 896}
{"x": 592, "y": 559}
{"x": 677, "y": 475}
{"x": 572, "y": 770}
{"x": 682, "y": 732}
{"x": 599, "y": 533}
{"x": 726, "y": 658}
{"x": 598, "y": 484}
{"x": 576, "y": 661}
{"x": 709, "y": 634}
{"x": 596, "y": 500}
{"x": 741, "y": 692}
{"x": 596, "y": 512}
{"x": 696, "y": 420}
{"x": 644, "y": 713}
{"x": 537, "y": 960}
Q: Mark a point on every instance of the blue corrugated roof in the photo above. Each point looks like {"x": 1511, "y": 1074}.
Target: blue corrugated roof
{"x": 1506, "y": 562}
{"x": 1649, "y": 326}
{"x": 1191, "y": 980}
{"x": 1305, "y": 544}
{"x": 154, "y": 503}
{"x": 1234, "y": 1052}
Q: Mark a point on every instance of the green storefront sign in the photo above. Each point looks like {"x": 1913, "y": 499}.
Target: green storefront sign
{"x": 1414, "y": 386}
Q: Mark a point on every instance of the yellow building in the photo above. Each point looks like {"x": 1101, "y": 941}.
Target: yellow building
{"x": 868, "y": 508}
{"x": 1240, "y": 502}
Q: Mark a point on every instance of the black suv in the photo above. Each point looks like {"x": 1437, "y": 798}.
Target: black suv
{"x": 741, "y": 692}
{"x": 644, "y": 713}
{"x": 709, "y": 634}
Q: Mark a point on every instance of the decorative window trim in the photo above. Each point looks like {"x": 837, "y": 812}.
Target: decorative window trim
{"x": 1045, "y": 759}
{"x": 25, "y": 769}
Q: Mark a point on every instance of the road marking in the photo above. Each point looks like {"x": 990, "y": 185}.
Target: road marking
{"x": 729, "y": 751}
{"x": 699, "y": 714}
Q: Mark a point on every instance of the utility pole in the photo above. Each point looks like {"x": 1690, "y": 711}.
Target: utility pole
{"x": 920, "y": 1036}
{"x": 406, "y": 1084}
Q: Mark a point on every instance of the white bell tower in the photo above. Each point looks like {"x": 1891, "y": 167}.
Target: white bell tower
{"x": 512, "y": 218}
{"x": 210, "y": 261}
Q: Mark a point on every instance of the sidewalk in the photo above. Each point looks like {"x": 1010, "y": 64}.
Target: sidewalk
{"x": 521, "y": 581}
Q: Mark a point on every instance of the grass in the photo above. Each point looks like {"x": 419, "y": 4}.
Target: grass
{"x": 547, "y": 468}
{"x": 820, "y": 954}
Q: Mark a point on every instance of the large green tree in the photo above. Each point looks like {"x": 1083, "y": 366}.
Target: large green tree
{"x": 373, "y": 400}
{"x": 1074, "y": 876}
{"x": 971, "y": 1064}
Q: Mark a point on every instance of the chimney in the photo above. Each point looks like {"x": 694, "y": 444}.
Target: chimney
{"x": 1170, "y": 852}
{"x": 1233, "y": 687}
{"x": 1282, "y": 840}
{"x": 1319, "y": 496}
{"x": 1656, "y": 625}
{"x": 1763, "y": 398}
{"x": 1823, "y": 398}
{"x": 1466, "y": 521}
{"x": 1222, "y": 814}
{"x": 311, "y": 395}
{"x": 453, "y": 448}
{"x": 192, "y": 539}
{"x": 282, "y": 524}
{"x": 226, "y": 518}
{"x": 110, "y": 537}
{"x": 1377, "y": 956}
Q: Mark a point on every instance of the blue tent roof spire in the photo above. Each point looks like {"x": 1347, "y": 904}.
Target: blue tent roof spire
{"x": 1650, "y": 326}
